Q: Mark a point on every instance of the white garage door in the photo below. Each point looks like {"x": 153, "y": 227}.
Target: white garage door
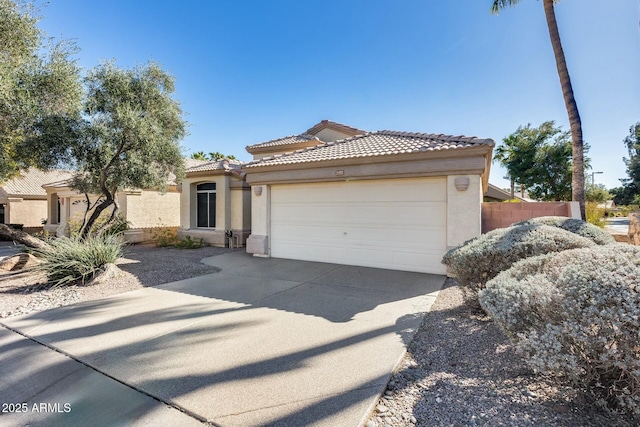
{"x": 397, "y": 224}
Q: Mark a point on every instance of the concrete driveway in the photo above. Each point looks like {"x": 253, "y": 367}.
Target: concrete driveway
{"x": 261, "y": 342}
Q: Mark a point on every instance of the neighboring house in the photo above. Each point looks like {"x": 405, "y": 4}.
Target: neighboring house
{"x": 24, "y": 201}
{"x": 215, "y": 204}
{"x": 497, "y": 194}
{"x": 145, "y": 210}
{"x": 386, "y": 199}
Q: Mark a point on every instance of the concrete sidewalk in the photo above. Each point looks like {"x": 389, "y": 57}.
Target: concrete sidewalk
{"x": 7, "y": 249}
{"x": 262, "y": 342}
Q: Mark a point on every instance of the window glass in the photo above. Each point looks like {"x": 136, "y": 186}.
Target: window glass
{"x": 208, "y": 186}
{"x": 203, "y": 209}
{"x": 212, "y": 209}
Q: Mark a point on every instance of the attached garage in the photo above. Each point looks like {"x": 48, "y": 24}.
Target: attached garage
{"x": 385, "y": 199}
{"x": 398, "y": 224}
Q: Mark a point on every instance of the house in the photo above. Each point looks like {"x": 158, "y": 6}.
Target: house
{"x": 24, "y": 201}
{"x": 216, "y": 204}
{"x": 144, "y": 210}
{"x": 497, "y": 194}
{"x": 386, "y": 199}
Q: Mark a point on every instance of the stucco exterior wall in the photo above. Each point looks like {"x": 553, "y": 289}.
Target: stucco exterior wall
{"x": 188, "y": 201}
{"x": 258, "y": 241}
{"x": 240, "y": 209}
{"x": 233, "y": 210}
{"x": 29, "y": 212}
{"x": 463, "y": 209}
{"x": 152, "y": 209}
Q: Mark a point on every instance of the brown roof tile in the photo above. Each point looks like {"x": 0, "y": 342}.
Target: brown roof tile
{"x": 380, "y": 143}
{"x": 286, "y": 140}
{"x": 224, "y": 164}
{"x": 334, "y": 125}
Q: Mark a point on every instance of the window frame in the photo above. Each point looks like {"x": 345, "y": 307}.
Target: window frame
{"x": 200, "y": 189}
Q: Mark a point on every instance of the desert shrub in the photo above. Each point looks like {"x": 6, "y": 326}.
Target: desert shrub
{"x": 481, "y": 259}
{"x": 574, "y": 315}
{"x": 625, "y": 210}
{"x": 69, "y": 260}
{"x": 164, "y": 236}
{"x": 577, "y": 226}
{"x": 595, "y": 215}
{"x": 189, "y": 243}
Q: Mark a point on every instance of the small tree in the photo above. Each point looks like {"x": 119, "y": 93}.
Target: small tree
{"x": 128, "y": 136}
{"x": 597, "y": 193}
{"x": 540, "y": 160}
{"x": 39, "y": 84}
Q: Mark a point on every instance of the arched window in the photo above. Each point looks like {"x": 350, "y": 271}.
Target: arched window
{"x": 206, "y": 199}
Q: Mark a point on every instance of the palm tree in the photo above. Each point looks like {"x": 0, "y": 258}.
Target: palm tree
{"x": 198, "y": 155}
{"x": 577, "y": 180}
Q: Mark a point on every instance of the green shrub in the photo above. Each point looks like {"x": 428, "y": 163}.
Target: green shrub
{"x": 70, "y": 260}
{"x": 189, "y": 243}
{"x": 164, "y": 236}
{"x": 577, "y": 226}
{"x": 595, "y": 215}
{"x": 482, "y": 258}
{"x": 575, "y": 315}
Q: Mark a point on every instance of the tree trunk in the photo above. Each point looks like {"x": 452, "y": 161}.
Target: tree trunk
{"x": 577, "y": 181}
{"x": 22, "y": 237}
{"x": 513, "y": 189}
{"x": 94, "y": 216}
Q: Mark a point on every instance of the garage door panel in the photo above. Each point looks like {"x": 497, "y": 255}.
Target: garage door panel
{"x": 395, "y": 224}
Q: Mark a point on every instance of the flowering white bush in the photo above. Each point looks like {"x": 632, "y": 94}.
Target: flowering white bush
{"x": 577, "y": 226}
{"x": 480, "y": 259}
{"x": 575, "y": 315}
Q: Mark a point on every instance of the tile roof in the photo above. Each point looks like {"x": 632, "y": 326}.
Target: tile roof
{"x": 286, "y": 140}
{"x": 223, "y": 164}
{"x": 372, "y": 144}
{"x": 331, "y": 124}
{"x": 30, "y": 182}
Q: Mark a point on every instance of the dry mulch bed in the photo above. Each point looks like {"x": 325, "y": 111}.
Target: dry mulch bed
{"x": 141, "y": 266}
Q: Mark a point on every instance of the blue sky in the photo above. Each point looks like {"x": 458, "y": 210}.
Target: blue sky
{"x": 250, "y": 71}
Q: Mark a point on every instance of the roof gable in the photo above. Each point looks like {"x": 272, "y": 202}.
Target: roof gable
{"x": 324, "y": 131}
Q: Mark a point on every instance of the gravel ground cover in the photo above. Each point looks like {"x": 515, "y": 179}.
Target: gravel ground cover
{"x": 460, "y": 370}
{"x": 141, "y": 266}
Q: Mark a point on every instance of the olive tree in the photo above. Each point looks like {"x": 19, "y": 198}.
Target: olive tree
{"x": 39, "y": 80}
{"x": 127, "y": 137}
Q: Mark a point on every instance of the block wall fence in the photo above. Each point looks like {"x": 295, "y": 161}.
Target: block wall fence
{"x": 499, "y": 215}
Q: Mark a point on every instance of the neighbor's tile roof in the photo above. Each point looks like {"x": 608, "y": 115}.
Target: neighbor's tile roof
{"x": 380, "y": 143}
{"x": 223, "y": 164}
{"x": 30, "y": 182}
{"x": 287, "y": 140}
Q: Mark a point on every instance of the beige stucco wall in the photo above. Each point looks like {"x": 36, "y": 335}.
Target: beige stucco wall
{"x": 240, "y": 209}
{"x": 143, "y": 209}
{"x": 233, "y": 209}
{"x": 152, "y": 208}
{"x": 29, "y": 212}
{"x": 188, "y": 201}
{"x": 463, "y": 210}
